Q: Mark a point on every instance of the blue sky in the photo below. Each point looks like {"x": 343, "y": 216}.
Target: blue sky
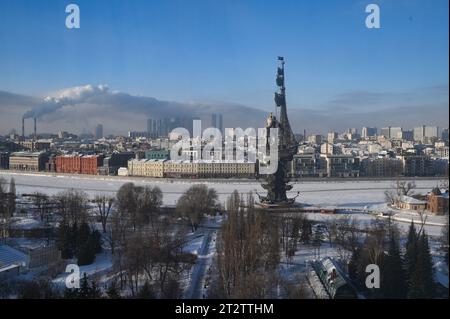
{"x": 225, "y": 50}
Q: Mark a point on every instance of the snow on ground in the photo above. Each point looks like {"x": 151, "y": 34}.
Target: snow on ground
{"x": 98, "y": 269}
{"x": 345, "y": 193}
{"x": 194, "y": 244}
{"x": 200, "y": 272}
{"x": 363, "y": 199}
{"x": 25, "y": 223}
{"x": 441, "y": 273}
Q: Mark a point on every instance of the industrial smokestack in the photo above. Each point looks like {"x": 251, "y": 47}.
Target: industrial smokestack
{"x": 35, "y": 134}
{"x": 23, "y": 127}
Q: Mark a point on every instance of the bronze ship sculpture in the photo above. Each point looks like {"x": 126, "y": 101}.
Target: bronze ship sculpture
{"x": 277, "y": 184}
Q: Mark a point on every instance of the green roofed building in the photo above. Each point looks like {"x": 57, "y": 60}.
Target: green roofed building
{"x": 157, "y": 154}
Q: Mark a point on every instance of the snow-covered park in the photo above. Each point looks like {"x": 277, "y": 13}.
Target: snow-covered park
{"x": 361, "y": 199}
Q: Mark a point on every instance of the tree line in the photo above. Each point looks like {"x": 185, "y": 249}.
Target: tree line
{"x": 404, "y": 273}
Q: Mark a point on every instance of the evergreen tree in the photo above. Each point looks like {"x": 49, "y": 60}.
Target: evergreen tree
{"x": 64, "y": 244}
{"x": 113, "y": 291}
{"x": 12, "y": 197}
{"x": 306, "y": 231}
{"x": 96, "y": 241}
{"x": 79, "y": 242}
{"x": 85, "y": 290}
{"x": 393, "y": 278}
{"x": 95, "y": 292}
{"x": 146, "y": 292}
{"x": 70, "y": 293}
{"x": 85, "y": 247}
{"x": 422, "y": 279}
{"x": 411, "y": 252}
{"x": 353, "y": 265}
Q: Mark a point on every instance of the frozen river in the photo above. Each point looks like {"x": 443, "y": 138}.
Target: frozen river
{"x": 357, "y": 194}
{"x": 345, "y": 193}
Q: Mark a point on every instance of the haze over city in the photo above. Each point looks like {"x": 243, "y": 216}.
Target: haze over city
{"x": 319, "y": 170}
{"x": 171, "y": 58}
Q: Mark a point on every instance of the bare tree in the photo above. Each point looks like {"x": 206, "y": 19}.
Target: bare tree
{"x": 196, "y": 202}
{"x": 4, "y": 213}
{"x": 405, "y": 188}
{"x": 41, "y": 202}
{"x": 104, "y": 204}
{"x": 295, "y": 289}
{"x": 444, "y": 182}
{"x": 139, "y": 205}
{"x": 330, "y": 230}
{"x": 423, "y": 220}
{"x": 444, "y": 239}
{"x": 391, "y": 197}
{"x": 154, "y": 255}
{"x": 399, "y": 189}
{"x": 149, "y": 201}
{"x": 247, "y": 251}
{"x": 376, "y": 240}
{"x": 127, "y": 203}
{"x": 72, "y": 206}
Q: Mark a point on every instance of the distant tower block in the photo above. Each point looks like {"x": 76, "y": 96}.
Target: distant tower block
{"x": 35, "y": 131}
{"x": 23, "y": 127}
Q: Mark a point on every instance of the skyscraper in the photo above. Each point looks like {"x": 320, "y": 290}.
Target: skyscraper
{"x": 217, "y": 122}
{"x": 153, "y": 127}
{"x": 444, "y": 134}
{"x": 368, "y": 131}
{"x": 99, "y": 131}
{"x": 331, "y": 136}
{"x": 423, "y": 132}
{"x": 391, "y": 132}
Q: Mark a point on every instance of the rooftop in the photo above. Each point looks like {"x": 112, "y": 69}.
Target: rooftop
{"x": 411, "y": 200}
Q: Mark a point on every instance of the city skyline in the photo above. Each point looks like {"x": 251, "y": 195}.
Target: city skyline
{"x": 120, "y": 112}
{"x": 208, "y": 150}
{"x": 339, "y": 71}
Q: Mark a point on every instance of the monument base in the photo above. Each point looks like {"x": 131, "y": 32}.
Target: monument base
{"x": 288, "y": 205}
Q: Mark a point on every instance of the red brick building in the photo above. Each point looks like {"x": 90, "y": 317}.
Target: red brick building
{"x": 70, "y": 164}
{"x": 90, "y": 164}
{"x": 78, "y": 164}
{"x": 437, "y": 202}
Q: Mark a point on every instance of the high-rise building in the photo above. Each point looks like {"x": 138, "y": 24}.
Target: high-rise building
{"x": 444, "y": 134}
{"x": 99, "y": 131}
{"x": 217, "y": 121}
{"x": 331, "y": 137}
{"x": 431, "y": 131}
{"x": 315, "y": 139}
{"x": 163, "y": 126}
{"x": 391, "y": 132}
{"x": 407, "y": 135}
{"x": 168, "y": 124}
{"x": 421, "y": 133}
{"x": 154, "y": 127}
{"x": 368, "y": 131}
{"x": 150, "y": 126}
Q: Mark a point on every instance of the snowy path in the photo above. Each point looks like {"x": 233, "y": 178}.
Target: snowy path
{"x": 194, "y": 290}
